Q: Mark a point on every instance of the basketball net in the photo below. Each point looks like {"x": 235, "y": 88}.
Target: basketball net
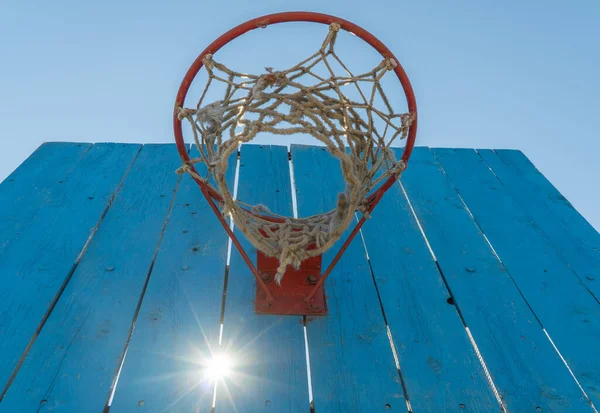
{"x": 299, "y": 101}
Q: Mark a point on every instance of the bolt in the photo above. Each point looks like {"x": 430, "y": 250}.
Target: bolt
{"x": 590, "y": 277}
{"x": 185, "y": 267}
{"x": 109, "y": 268}
{"x": 263, "y": 303}
{"x": 265, "y": 277}
{"x": 312, "y": 279}
{"x": 316, "y": 307}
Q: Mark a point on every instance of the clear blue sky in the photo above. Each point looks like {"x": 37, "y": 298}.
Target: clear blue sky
{"x": 487, "y": 74}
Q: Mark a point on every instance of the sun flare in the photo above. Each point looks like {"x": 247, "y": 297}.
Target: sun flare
{"x": 218, "y": 367}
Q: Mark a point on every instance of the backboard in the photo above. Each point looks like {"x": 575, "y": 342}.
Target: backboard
{"x": 473, "y": 288}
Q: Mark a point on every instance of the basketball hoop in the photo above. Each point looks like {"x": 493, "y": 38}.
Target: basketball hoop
{"x": 292, "y": 101}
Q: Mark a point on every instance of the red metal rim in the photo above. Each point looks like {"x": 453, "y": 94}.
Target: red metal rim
{"x": 298, "y": 16}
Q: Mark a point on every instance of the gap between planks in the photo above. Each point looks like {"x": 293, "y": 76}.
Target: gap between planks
{"x": 68, "y": 278}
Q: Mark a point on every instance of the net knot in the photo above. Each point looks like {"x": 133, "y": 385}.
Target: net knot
{"x": 335, "y": 27}
{"x": 207, "y": 61}
{"x": 364, "y": 207}
{"x": 391, "y": 64}
{"x": 269, "y": 79}
{"x": 185, "y": 168}
{"x": 398, "y": 168}
{"x": 183, "y": 113}
{"x": 408, "y": 119}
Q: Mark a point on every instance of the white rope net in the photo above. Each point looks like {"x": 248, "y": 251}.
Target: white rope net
{"x": 299, "y": 100}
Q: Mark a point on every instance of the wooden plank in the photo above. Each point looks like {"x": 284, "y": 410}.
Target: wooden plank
{"x": 439, "y": 365}
{"x": 352, "y": 363}
{"x": 179, "y": 321}
{"x": 269, "y": 352}
{"x": 563, "y": 305}
{"x": 574, "y": 238}
{"x": 30, "y": 186}
{"x": 36, "y": 265}
{"x": 528, "y": 373}
{"x": 72, "y": 363}
{"x": 50, "y": 161}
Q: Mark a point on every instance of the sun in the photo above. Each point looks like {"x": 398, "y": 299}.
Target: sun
{"x": 218, "y": 367}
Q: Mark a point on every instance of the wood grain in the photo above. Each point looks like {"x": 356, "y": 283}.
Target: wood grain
{"x": 30, "y": 187}
{"x": 527, "y": 372}
{"x": 574, "y": 238}
{"x": 74, "y": 360}
{"x": 439, "y": 365}
{"x": 352, "y": 363}
{"x": 177, "y": 329}
{"x": 39, "y": 258}
{"x": 563, "y": 305}
{"x": 268, "y": 351}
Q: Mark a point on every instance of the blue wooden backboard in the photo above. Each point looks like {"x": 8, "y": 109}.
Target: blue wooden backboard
{"x": 474, "y": 287}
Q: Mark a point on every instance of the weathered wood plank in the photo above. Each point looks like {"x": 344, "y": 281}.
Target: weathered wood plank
{"x": 574, "y": 238}
{"x": 73, "y": 361}
{"x": 564, "y": 306}
{"x": 352, "y": 363}
{"x": 527, "y": 372}
{"x": 179, "y": 321}
{"x": 51, "y": 160}
{"x": 269, "y": 352}
{"x": 439, "y": 365}
{"x": 35, "y": 266}
{"x": 30, "y": 186}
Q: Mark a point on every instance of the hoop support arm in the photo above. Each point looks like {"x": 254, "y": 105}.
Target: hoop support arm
{"x": 236, "y": 242}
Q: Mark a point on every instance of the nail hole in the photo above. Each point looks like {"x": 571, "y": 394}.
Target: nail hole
{"x": 388, "y": 406}
{"x": 268, "y": 403}
{"x": 90, "y": 197}
{"x": 193, "y": 212}
{"x": 462, "y": 406}
{"x": 185, "y": 231}
{"x": 450, "y": 300}
{"x": 60, "y": 182}
{"x": 545, "y": 270}
{"x": 44, "y": 401}
{"x": 162, "y": 195}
